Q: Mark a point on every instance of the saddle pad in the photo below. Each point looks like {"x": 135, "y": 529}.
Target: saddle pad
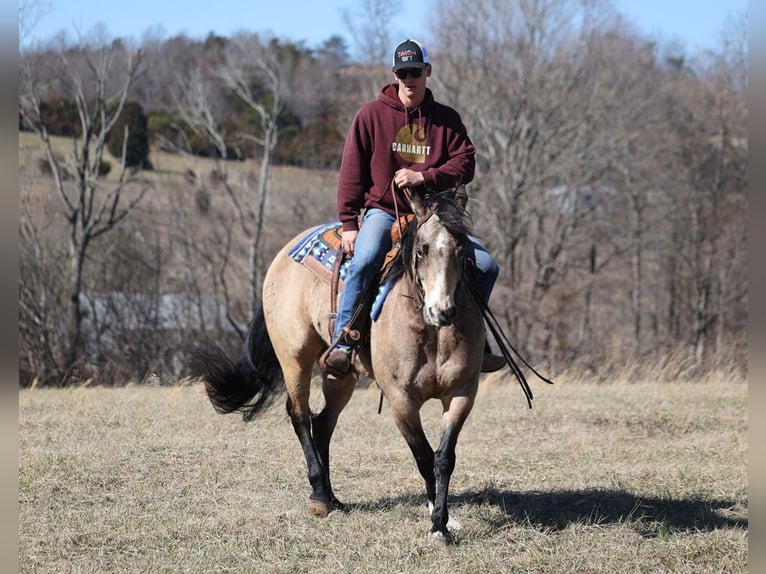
{"x": 318, "y": 249}
{"x": 380, "y": 297}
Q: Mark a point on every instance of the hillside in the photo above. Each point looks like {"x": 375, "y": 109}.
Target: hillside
{"x": 186, "y": 237}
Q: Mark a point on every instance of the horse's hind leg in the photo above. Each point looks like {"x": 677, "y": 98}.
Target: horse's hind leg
{"x": 322, "y": 498}
{"x": 297, "y": 374}
{"x": 314, "y": 431}
{"x": 336, "y": 394}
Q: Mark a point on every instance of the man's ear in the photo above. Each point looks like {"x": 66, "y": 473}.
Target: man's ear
{"x": 428, "y": 70}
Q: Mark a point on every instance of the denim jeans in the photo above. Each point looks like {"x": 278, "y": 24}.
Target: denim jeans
{"x": 372, "y": 244}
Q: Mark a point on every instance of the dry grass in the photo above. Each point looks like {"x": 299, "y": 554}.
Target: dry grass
{"x": 596, "y": 478}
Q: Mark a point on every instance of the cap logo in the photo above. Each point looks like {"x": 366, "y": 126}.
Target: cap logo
{"x": 407, "y": 55}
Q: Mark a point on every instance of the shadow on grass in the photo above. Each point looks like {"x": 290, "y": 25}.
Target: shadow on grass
{"x": 558, "y": 509}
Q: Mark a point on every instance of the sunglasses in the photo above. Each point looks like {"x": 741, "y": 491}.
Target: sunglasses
{"x": 411, "y": 72}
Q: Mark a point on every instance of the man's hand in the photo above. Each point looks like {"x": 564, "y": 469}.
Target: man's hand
{"x": 408, "y": 178}
{"x": 347, "y": 239}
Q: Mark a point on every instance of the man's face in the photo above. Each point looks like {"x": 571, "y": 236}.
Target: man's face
{"x": 412, "y": 81}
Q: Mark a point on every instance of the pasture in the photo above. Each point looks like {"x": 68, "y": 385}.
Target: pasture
{"x": 643, "y": 477}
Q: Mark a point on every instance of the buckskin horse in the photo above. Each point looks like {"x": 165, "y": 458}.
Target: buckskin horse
{"x": 426, "y": 343}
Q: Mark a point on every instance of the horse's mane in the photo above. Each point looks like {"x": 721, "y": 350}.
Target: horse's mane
{"x": 452, "y": 216}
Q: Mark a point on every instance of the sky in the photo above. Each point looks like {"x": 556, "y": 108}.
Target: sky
{"x": 697, "y": 24}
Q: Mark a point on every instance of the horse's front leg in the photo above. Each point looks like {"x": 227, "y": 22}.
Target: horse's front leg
{"x": 407, "y": 419}
{"x": 455, "y": 413}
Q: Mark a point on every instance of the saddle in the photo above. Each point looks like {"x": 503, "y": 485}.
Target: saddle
{"x": 321, "y": 251}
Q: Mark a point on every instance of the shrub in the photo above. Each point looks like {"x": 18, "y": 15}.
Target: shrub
{"x": 217, "y": 176}
{"x": 60, "y": 117}
{"x": 137, "y": 148}
{"x": 162, "y": 126}
{"x": 203, "y": 201}
{"x": 45, "y": 168}
{"x": 104, "y": 168}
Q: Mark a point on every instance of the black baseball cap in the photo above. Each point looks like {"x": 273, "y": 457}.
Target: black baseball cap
{"x": 410, "y": 54}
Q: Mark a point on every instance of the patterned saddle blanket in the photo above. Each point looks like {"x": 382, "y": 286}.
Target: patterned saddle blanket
{"x": 318, "y": 250}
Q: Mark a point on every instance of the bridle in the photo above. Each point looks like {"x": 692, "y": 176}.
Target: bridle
{"x": 420, "y": 221}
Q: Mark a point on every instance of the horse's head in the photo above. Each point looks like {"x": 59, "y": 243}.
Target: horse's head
{"x": 437, "y": 255}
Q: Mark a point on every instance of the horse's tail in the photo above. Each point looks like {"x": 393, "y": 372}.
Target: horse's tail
{"x": 249, "y": 385}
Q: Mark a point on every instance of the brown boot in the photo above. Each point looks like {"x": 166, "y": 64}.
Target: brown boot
{"x": 339, "y": 360}
{"x": 492, "y": 363}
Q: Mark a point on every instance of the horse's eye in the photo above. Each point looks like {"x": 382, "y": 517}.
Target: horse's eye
{"x": 421, "y": 251}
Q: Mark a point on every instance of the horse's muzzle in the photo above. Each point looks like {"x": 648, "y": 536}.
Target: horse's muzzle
{"x": 439, "y": 317}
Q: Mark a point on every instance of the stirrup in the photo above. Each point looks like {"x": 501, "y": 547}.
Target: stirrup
{"x": 350, "y": 337}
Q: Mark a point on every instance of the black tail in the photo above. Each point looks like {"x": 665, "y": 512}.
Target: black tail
{"x": 249, "y": 385}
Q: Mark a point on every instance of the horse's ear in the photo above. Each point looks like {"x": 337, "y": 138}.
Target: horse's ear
{"x": 461, "y": 196}
{"x": 417, "y": 202}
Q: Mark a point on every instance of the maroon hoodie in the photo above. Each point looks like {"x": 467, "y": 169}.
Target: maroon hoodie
{"x": 385, "y": 137}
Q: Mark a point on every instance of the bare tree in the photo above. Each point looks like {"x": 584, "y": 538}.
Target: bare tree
{"x": 605, "y": 169}
{"x": 200, "y": 99}
{"x": 711, "y": 163}
{"x": 638, "y": 128}
{"x": 252, "y": 67}
{"x": 42, "y": 295}
{"x": 258, "y": 74}
{"x": 370, "y": 25}
{"x": 514, "y": 70}
{"x": 30, "y": 14}
{"x": 92, "y": 205}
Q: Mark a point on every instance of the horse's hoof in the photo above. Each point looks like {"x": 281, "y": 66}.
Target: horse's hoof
{"x": 322, "y": 509}
{"x": 319, "y": 508}
{"x": 440, "y": 538}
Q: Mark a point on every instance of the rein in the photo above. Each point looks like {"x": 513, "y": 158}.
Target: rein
{"x": 408, "y": 192}
{"x": 505, "y": 346}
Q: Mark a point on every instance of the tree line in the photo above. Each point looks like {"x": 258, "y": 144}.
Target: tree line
{"x": 611, "y": 186}
{"x": 175, "y": 70}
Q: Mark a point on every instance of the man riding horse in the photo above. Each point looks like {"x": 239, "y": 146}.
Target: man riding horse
{"x": 428, "y": 340}
{"x": 403, "y": 140}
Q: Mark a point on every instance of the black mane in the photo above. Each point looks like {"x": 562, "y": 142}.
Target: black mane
{"x": 452, "y": 216}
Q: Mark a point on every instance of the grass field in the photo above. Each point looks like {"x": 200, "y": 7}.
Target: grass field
{"x": 595, "y": 478}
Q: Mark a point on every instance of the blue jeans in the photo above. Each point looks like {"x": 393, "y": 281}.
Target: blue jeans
{"x": 372, "y": 244}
